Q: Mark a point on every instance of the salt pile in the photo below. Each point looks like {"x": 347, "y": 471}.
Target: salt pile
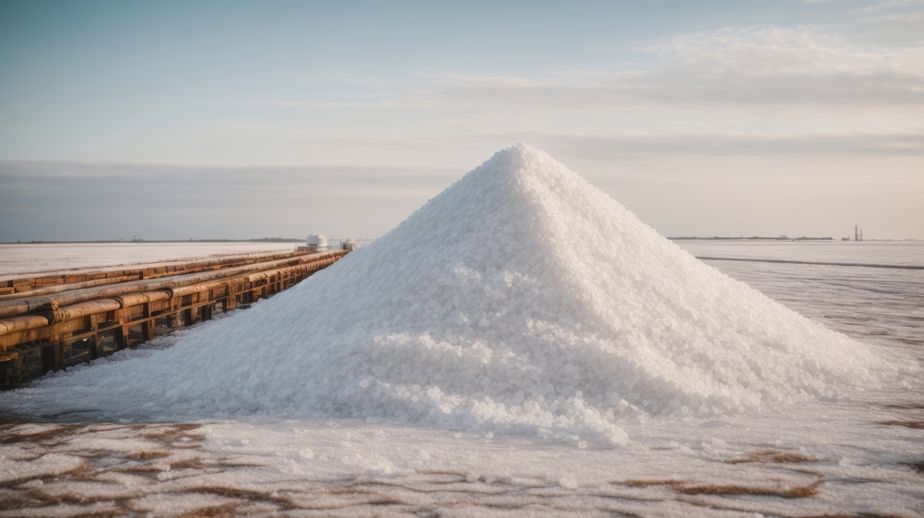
{"x": 521, "y": 299}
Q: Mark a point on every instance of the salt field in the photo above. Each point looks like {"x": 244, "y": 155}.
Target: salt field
{"x": 462, "y": 259}
{"x": 887, "y": 253}
{"x": 471, "y": 377}
{"x": 37, "y": 257}
{"x": 535, "y": 335}
{"x": 864, "y": 457}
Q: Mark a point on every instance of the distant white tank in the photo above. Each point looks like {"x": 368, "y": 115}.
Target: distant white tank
{"x": 316, "y": 242}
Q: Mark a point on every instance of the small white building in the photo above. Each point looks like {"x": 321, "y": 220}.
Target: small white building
{"x": 316, "y": 242}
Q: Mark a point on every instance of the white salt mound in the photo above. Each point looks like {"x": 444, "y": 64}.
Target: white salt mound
{"x": 521, "y": 299}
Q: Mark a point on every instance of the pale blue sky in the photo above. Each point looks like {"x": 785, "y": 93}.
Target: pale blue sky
{"x": 280, "y": 118}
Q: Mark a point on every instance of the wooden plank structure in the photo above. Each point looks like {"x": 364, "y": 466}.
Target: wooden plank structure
{"x": 51, "y": 320}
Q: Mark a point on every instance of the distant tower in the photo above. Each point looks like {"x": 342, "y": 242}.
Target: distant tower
{"x": 856, "y": 233}
{"x": 861, "y": 234}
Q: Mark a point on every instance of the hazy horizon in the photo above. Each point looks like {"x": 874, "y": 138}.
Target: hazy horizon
{"x": 212, "y": 120}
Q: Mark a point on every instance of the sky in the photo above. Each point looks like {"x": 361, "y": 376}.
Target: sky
{"x": 222, "y": 119}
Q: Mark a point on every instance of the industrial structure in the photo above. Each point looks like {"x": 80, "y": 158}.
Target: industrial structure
{"x": 51, "y": 320}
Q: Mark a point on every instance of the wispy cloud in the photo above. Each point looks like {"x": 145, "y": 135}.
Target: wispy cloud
{"x": 914, "y": 18}
{"x": 732, "y": 66}
{"x": 704, "y": 143}
{"x": 735, "y": 66}
{"x": 855, "y": 144}
{"x": 887, "y": 5}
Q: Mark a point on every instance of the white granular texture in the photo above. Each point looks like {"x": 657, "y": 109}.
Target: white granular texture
{"x": 520, "y": 300}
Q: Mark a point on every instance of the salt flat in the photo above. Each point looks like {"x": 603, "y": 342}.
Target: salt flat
{"x": 868, "y": 252}
{"x": 857, "y": 450}
{"x": 29, "y": 257}
{"x": 857, "y": 458}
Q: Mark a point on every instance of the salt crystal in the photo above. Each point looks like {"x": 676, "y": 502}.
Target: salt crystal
{"x": 568, "y": 483}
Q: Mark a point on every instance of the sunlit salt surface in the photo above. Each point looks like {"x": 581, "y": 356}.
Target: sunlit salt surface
{"x": 849, "y": 452}
{"x": 520, "y": 300}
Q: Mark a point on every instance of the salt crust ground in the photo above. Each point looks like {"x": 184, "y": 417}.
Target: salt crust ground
{"x": 864, "y": 456}
{"x": 520, "y": 300}
{"x": 778, "y": 465}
